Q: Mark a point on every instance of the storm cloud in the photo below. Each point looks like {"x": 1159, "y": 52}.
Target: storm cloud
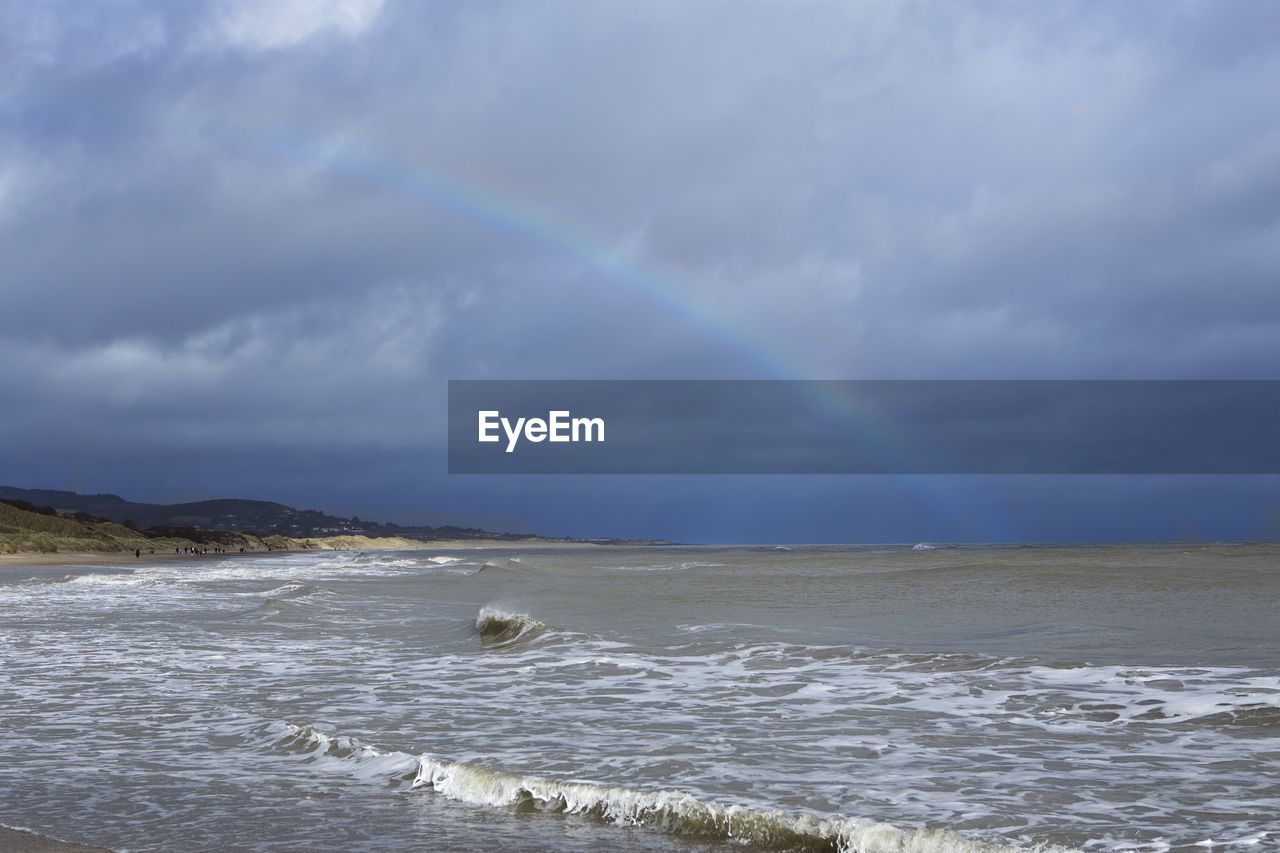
{"x": 235, "y": 231}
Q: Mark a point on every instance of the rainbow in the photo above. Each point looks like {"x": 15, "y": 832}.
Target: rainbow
{"x": 958, "y": 498}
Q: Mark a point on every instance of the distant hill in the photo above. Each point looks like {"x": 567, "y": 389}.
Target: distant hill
{"x": 26, "y": 528}
{"x": 233, "y": 515}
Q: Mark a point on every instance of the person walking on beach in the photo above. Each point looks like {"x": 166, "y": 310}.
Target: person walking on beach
{"x": 137, "y": 553}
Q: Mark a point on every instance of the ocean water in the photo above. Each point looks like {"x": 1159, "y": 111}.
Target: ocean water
{"x": 866, "y": 699}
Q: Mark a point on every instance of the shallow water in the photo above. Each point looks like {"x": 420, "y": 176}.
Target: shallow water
{"x": 866, "y": 698}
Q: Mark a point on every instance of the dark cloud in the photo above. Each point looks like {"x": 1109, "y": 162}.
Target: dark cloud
{"x": 261, "y": 225}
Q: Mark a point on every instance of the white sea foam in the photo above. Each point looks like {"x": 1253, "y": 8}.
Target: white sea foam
{"x": 669, "y": 811}
{"x": 681, "y": 566}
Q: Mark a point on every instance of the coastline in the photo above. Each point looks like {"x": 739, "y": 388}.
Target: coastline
{"x": 341, "y": 543}
{"x": 113, "y": 558}
{"x": 24, "y": 841}
{"x": 209, "y": 666}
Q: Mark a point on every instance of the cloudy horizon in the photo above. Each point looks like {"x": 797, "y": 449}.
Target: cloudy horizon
{"x": 245, "y": 245}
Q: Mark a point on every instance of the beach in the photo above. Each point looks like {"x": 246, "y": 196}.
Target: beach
{"x": 346, "y": 543}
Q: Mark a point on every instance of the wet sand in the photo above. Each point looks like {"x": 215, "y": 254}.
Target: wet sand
{"x": 21, "y": 841}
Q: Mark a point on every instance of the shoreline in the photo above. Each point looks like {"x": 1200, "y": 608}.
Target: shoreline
{"x": 25, "y": 841}
{"x": 114, "y": 558}
{"x": 126, "y": 558}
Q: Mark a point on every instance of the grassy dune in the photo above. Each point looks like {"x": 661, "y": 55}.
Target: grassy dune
{"x": 357, "y": 543}
{"x": 24, "y": 532}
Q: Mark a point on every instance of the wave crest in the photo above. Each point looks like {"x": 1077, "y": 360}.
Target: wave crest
{"x": 47, "y": 581}
{"x": 503, "y": 627}
{"x": 317, "y": 747}
{"x": 674, "y": 812}
{"x": 298, "y": 589}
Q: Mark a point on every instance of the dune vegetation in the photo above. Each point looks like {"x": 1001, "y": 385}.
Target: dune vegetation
{"x": 27, "y": 529}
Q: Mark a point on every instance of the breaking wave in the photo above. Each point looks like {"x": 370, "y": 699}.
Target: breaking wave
{"x": 299, "y": 589}
{"x": 47, "y": 581}
{"x": 294, "y": 599}
{"x": 669, "y": 811}
{"x": 504, "y": 627}
{"x": 511, "y": 565}
{"x": 681, "y": 566}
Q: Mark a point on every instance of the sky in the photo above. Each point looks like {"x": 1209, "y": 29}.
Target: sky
{"x": 244, "y": 245}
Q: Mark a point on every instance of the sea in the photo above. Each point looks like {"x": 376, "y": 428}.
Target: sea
{"x": 909, "y": 697}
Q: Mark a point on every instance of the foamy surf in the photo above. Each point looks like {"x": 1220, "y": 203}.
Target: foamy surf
{"x": 667, "y": 811}
{"x": 1081, "y": 697}
{"x": 47, "y": 581}
{"x": 298, "y": 589}
{"x": 681, "y": 566}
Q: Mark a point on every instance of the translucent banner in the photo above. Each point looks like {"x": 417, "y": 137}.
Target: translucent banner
{"x": 864, "y": 427}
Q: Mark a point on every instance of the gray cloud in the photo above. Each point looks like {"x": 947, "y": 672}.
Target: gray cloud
{"x": 337, "y": 206}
